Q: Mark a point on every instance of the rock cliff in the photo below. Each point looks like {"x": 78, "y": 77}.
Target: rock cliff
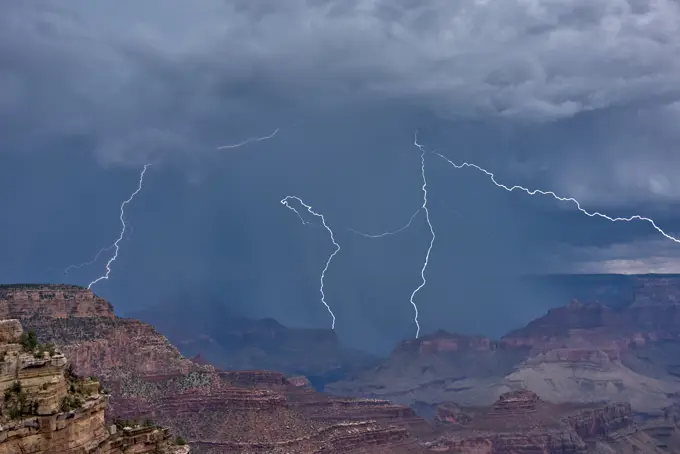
{"x": 520, "y": 422}
{"x": 47, "y": 409}
{"x": 262, "y": 411}
{"x": 21, "y": 301}
{"x": 90, "y": 335}
{"x": 651, "y": 315}
{"x": 234, "y": 411}
{"x": 436, "y": 368}
{"x": 576, "y": 353}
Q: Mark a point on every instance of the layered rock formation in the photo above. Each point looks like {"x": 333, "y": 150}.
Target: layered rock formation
{"x": 585, "y": 352}
{"x": 23, "y": 301}
{"x": 46, "y": 409}
{"x": 239, "y": 411}
{"x": 90, "y": 335}
{"x": 437, "y": 368}
{"x": 259, "y": 411}
{"x": 576, "y": 353}
{"x": 520, "y": 422}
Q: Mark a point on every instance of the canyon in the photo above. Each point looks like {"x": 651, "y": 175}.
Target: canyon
{"x": 217, "y": 411}
{"x": 47, "y": 409}
{"x": 520, "y": 422}
{"x": 585, "y": 377}
{"x": 581, "y": 352}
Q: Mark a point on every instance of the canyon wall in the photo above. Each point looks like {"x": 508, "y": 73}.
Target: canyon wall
{"x": 47, "y": 409}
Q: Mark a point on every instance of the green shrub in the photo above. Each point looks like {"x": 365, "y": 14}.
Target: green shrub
{"x": 180, "y": 441}
{"x": 69, "y": 403}
{"x": 29, "y": 340}
{"x": 18, "y": 404}
{"x": 13, "y": 390}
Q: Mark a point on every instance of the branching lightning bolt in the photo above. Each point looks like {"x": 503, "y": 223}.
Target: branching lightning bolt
{"x": 391, "y": 232}
{"x": 560, "y": 198}
{"x": 122, "y": 231}
{"x": 284, "y": 201}
{"x": 91, "y": 262}
{"x": 96, "y": 257}
{"x": 427, "y": 218}
{"x": 250, "y": 140}
{"x": 423, "y": 208}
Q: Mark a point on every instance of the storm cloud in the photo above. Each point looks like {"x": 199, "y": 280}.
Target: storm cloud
{"x": 580, "y": 97}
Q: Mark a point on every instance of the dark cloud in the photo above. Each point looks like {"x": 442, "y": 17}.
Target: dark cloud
{"x": 580, "y": 97}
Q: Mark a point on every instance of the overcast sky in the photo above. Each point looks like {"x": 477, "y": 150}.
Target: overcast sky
{"x": 581, "y": 97}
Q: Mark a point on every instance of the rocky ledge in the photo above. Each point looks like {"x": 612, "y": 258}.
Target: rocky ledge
{"x": 48, "y": 409}
{"x": 22, "y": 301}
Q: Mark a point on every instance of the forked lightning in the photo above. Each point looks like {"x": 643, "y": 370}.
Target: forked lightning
{"x": 423, "y": 208}
{"x": 391, "y": 232}
{"x": 91, "y": 262}
{"x": 427, "y": 218}
{"x": 284, "y": 201}
{"x": 122, "y": 231}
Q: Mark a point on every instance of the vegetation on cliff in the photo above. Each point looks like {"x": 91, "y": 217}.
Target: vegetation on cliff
{"x": 17, "y": 404}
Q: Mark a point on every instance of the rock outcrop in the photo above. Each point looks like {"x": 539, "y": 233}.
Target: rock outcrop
{"x": 216, "y": 411}
{"x": 652, "y": 315}
{"x": 46, "y": 409}
{"x": 22, "y": 301}
{"x": 576, "y": 353}
{"x": 520, "y": 422}
{"x": 90, "y": 335}
{"x": 436, "y": 368}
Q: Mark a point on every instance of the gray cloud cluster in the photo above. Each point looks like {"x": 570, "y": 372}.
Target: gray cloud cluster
{"x": 160, "y": 76}
{"x": 577, "y": 96}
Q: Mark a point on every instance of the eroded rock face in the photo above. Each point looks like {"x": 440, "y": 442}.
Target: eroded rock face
{"x": 652, "y": 315}
{"x": 55, "y": 301}
{"x": 576, "y": 353}
{"x": 520, "y": 422}
{"x": 111, "y": 347}
{"x": 48, "y": 410}
{"x": 260, "y": 411}
{"x": 231, "y": 411}
{"x": 441, "y": 367}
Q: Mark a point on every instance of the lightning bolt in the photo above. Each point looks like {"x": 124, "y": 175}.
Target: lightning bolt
{"x": 560, "y": 198}
{"x": 96, "y": 257}
{"x": 391, "y": 232}
{"x": 427, "y": 218}
{"x": 122, "y": 231}
{"x": 284, "y": 201}
{"x": 250, "y": 140}
{"x": 423, "y": 208}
